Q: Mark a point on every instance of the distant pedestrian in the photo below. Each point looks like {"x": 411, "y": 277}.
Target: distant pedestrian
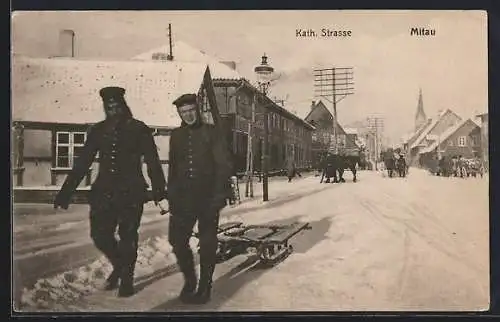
{"x": 291, "y": 168}
{"x": 119, "y": 192}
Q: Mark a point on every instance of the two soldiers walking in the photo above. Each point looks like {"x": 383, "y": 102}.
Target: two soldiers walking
{"x": 199, "y": 167}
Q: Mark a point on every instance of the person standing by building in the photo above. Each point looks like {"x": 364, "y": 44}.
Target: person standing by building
{"x": 198, "y": 174}
{"x": 119, "y": 192}
{"x": 291, "y": 168}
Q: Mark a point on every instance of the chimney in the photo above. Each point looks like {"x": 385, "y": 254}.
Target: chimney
{"x": 170, "y": 55}
{"x": 67, "y": 43}
{"x": 313, "y": 104}
{"x": 230, "y": 64}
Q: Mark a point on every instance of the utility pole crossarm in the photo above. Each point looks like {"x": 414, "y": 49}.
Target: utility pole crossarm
{"x": 334, "y": 84}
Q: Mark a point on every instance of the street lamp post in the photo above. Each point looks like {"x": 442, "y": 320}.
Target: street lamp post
{"x": 264, "y": 71}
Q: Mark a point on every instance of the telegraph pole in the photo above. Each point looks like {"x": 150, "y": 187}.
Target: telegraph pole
{"x": 376, "y": 126}
{"x": 334, "y": 84}
{"x": 249, "y": 183}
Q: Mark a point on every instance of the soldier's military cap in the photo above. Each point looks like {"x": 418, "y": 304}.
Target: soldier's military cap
{"x": 112, "y": 92}
{"x": 185, "y": 100}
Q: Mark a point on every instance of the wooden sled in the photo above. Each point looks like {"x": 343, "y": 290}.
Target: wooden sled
{"x": 269, "y": 242}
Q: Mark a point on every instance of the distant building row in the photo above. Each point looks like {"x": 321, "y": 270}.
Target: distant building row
{"x": 447, "y": 134}
{"x": 55, "y": 100}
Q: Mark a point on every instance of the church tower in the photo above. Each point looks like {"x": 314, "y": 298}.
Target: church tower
{"x": 420, "y": 117}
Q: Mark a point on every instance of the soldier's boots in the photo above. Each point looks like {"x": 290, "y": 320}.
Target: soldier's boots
{"x": 186, "y": 264}
{"x": 113, "y": 280}
{"x": 204, "y": 292}
{"x": 189, "y": 289}
{"x": 203, "y": 295}
{"x": 126, "y": 288}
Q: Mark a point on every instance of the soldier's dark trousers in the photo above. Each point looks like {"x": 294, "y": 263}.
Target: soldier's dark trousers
{"x": 180, "y": 231}
{"x": 105, "y": 218}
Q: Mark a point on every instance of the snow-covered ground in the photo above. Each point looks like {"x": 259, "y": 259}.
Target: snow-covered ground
{"x": 415, "y": 243}
{"x": 49, "y": 241}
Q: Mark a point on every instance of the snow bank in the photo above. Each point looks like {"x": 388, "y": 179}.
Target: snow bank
{"x": 60, "y": 290}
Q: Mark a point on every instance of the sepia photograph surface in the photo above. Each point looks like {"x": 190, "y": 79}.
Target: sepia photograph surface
{"x": 171, "y": 161}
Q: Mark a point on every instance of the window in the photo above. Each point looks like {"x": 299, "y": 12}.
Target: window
{"x": 341, "y": 139}
{"x": 450, "y": 143}
{"x": 69, "y": 146}
{"x": 461, "y": 141}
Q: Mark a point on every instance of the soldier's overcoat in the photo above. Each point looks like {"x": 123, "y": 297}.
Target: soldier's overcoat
{"x": 199, "y": 169}
{"x": 122, "y": 147}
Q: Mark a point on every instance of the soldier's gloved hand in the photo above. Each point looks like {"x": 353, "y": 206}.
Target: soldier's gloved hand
{"x": 159, "y": 195}
{"x": 60, "y": 202}
{"x": 163, "y": 204}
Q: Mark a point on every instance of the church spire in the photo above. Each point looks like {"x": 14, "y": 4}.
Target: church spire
{"x": 420, "y": 117}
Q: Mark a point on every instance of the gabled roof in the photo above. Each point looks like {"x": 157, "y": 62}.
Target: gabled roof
{"x": 446, "y": 135}
{"x": 316, "y": 105}
{"x": 67, "y": 90}
{"x": 183, "y": 52}
{"x": 430, "y": 127}
{"x": 320, "y": 104}
{"x": 413, "y": 136}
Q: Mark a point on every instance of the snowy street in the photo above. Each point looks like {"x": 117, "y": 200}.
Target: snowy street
{"x": 415, "y": 243}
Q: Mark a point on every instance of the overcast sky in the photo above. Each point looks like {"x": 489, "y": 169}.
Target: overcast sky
{"x": 389, "y": 64}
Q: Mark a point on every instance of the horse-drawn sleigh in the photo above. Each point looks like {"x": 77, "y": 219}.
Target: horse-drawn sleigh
{"x": 337, "y": 163}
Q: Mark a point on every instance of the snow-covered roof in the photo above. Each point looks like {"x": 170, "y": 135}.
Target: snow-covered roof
{"x": 446, "y": 134}
{"x": 413, "y": 135}
{"x": 429, "y": 128}
{"x": 182, "y": 52}
{"x": 350, "y": 130}
{"x": 67, "y": 90}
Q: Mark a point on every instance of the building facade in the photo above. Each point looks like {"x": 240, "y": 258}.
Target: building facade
{"x": 56, "y": 100}
{"x": 289, "y": 135}
{"x": 323, "y": 136}
{"x": 462, "y": 139}
{"x": 431, "y": 132}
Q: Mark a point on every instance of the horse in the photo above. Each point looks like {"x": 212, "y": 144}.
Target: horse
{"x": 350, "y": 162}
{"x": 337, "y": 163}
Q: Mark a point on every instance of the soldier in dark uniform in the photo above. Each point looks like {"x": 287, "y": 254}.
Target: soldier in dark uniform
{"x": 198, "y": 173}
{"x": 119, "y": 192}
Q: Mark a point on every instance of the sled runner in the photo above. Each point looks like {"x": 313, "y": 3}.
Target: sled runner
{"x": 269, "y": 242}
